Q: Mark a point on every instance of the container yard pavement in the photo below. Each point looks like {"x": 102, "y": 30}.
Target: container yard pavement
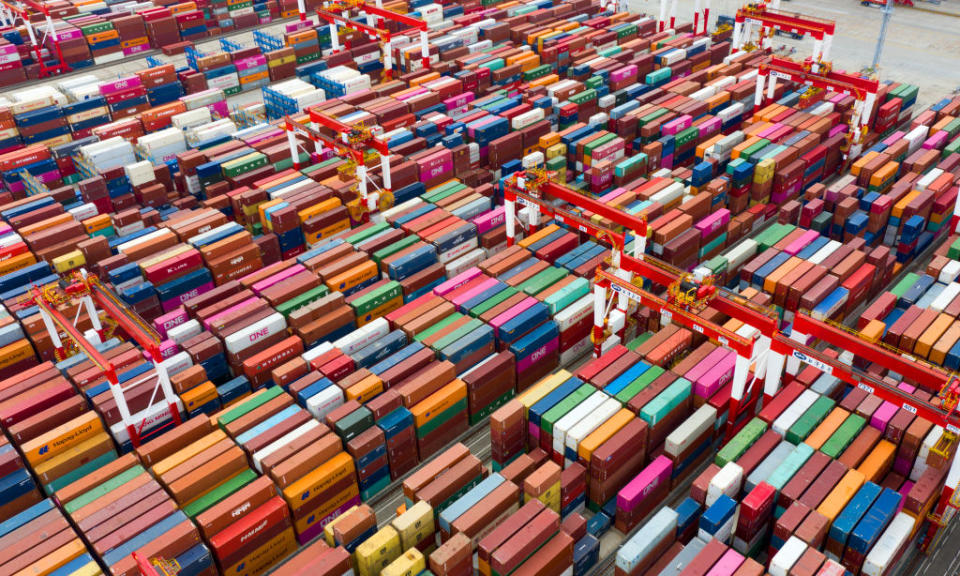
{"x": 921, "y": 46}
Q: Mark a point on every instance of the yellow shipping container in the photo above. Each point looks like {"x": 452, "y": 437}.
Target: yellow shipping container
{"x": 378, "y": 551}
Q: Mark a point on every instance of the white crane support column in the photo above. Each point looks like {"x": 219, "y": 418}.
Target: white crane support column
{"x": 92, "y": 313}
{"x": 771, "y": 384}
{"x": 673, "y": 14}
{"x": 599, "y": 314}
{"x": 737, "y": 37}
{"x": 334, "y": 39}
{"x": 302, "y": 10}
{"x": 424, "y": 50}
{"x": 292, "y": 142}
{"x": 385, "y": 171}
{"x": 827, "y": 41}
{"x": 663, "y": 15}
{"x": 818, "y": 49}
{"x": 758, "y": 95}
{"x": 793, "y": 362}
{"x": 741, "y": 372}
{"x": 696, "y": 16}
{"x": 771, "y": 86}
{"x": 510, "y": 219}
{"x": 706, "y": 18}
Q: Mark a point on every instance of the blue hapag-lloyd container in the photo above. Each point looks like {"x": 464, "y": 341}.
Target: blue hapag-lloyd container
{"x": 915, "y": 292}
{"x": 547, "y": 240}
{"x": 768, "y": 268}
{"x": 831, "y": 304}
{"x": 716, "y": 519}
{"x": 396, "y": 358}
{"x": 536, "y": 412}
{"x": 523, "y": 322}
{"x": 380, "y": 349}
{"x": 852, "y": 513}
{"x": 312, "y": 390}
{"x": 688, "y": 514}
{"x": 395, "y": 422}
{"x": 483, "y": 297}
{"x": 412, "y": 262}
{"x": 873, "y": 523}
{"x": 624, "y": 380}
{"x": 477, "y": 339}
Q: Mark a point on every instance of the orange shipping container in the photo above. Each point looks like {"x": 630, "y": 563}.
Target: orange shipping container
{"x": 826, "y": 428}
{"x": 932, "y": 334}
{"x": 878, "y": 462}
{"x": 837, "y": 499}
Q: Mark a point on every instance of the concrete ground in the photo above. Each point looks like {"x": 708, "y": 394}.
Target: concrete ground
{"x": 920, "y": 49}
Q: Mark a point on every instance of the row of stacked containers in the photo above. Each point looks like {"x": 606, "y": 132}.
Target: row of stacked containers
{"x": 317, "y": 360}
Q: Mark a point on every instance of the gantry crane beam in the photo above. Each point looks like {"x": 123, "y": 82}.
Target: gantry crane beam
{"x": 767, "y": 18}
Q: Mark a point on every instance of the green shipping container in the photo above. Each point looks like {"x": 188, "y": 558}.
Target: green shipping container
{"x": 377, "y": 297}
{"x": 302, "y": 300}
{"x": 492, "y": 301}
{"x": 397, "y": 246}
{"x": 249, "y": 405}
{"x": 838, "y": 442}
{"x": 369, "y": 232}
{"x": 785, "y": 471}
{"x": 674, "y": 395}
{"x": 457, "y": 334}
{"x": 772, "y": 235}
{"x": 741, "y": 442}
{"x": 639, "y": 340}
{"x": 543, "y": 280}
{"x": 219, "y": 493}
{"x": 910, "y": 279}
{"x": 642, "y": 381}
{"x": 438, "y": 326}
{"x": 553, "y": 415}
{"x": 102, "y": 489}
{"x": 351, "y": 425}
{"x": 567, "y": 295}
{"x": 810, "y": 419}
{"x": 444, "y": 417}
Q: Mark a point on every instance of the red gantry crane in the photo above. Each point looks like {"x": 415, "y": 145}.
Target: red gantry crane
{"x": 819, "y": 75}
{"x": 20, "y": 12}
{"x": 88, "y": 289}
{"x": 767, "y": 20}
{"x": 766, "y": 356}
{"x": 352, "y": 142}
{"x": 330, "y": 15}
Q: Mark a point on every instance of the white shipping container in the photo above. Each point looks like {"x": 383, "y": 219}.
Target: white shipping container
{"x": 229, "y": 227}
{"x": 185, "y": 331}
{"x": 794, "y": 411}
{"x": 727, "y": 481}
{"x": 325, "y": 402}
{"x": 592, "y": 421}
{"x": 192, "y": 118}
{"x": 950, "y": 272}
{"x": 364, "y": 336}
{"x": 689, "y": 430}
{"x": 916, "y": 137}
{"x": 739, "y": 254}
{"x": 927, "y": 179}
{"x": 946, "y": 295}
{"x": 660, "y": 528}
{"x": 684, "y": 558}
{"x": 884, "y": 553}
{"x": 287, "y": 438}
{"x": 920, "y": 464}
{"x": 574, "y": 313}
{"x": 768, "y": 465}
{"x": 825, "y": 252}
{"x": 670, "y": 194}
{"x": 573, "y": 417}
{"x": 243, "y": 339}
{"x": 316, "y": 352}
{"x": 786, "y": 557}
{"x": 146, "y": 238}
